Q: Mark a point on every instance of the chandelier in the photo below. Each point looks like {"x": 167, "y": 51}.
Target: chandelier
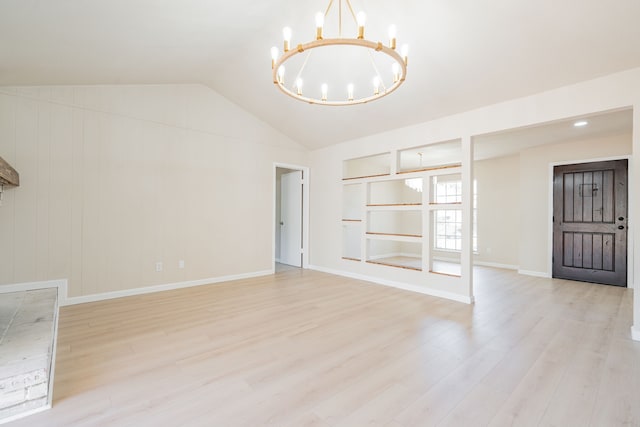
{"x": 382, "y": 83}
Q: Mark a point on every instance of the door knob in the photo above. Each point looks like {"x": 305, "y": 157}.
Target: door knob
{"x": 621, "y": 227}
{"x": 620, "y": 218}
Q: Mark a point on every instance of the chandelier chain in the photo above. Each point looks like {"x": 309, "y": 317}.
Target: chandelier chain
{"x": 351, "y": 10}
{"x": 304, "y": 64}
{"x": 375, "y": 68}
{"x": 326, "y": 12}
{"x": 340, "y": 18}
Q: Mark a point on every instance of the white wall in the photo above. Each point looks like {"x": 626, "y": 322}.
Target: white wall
{"x": 117, "y": 178}
{"x": 498, "y": 183}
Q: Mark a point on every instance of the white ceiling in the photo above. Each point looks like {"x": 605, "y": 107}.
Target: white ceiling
{"x": 464, "y": 53}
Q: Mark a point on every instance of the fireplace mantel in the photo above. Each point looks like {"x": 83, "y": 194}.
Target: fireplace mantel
{"x": 8, "y": 175}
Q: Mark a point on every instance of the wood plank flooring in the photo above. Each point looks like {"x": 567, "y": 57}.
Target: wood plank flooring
{"x": 304, "y": 348}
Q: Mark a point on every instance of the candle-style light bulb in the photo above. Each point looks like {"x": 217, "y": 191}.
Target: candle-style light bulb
{"x": 299, "y": 86}
{"x": 392, "y": 36}
{"x": 281, "y": 74}
{"x": 376, "y": 85}
{"x": 274, "y": 56}
{"x": 395, "y": 68}
{"x": 286, "y": 34}
{"x": 361, "y": 19}
{"x": 324, "y": 89}
{"x": 405, "y": 53}
{"x": 319, "y": 25}
{"x": 350, "y": 91}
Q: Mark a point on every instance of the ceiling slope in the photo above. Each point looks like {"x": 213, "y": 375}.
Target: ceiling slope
{"x": 464, "y": 53}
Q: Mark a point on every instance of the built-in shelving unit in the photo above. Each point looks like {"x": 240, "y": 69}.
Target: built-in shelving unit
{"x": 352, "y": 201}
{"x": 375, "y": 166}
{"x": 395, "y": 205}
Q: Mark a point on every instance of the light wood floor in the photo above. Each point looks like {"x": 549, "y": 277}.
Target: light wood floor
{"x": 303, "y": 348}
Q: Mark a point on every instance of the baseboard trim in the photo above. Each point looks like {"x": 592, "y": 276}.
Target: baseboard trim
{"x": 635, "y": 333}
{"x": 161, "y": 288}
{"x": 534, "y": 273}
{"x": 25, "y": 414}
{"x": 394, "y": 284}
{"x": 61, "y": 284}
{"x": 496, "y": 265}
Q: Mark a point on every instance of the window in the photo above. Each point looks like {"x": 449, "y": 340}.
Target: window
{"x": 448, "y": 234}
{"x": 448, "y": 222}
{"x": 447, "y": 191}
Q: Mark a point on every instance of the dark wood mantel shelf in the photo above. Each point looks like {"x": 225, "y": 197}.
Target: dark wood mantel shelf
{"x": 8, "y": 175}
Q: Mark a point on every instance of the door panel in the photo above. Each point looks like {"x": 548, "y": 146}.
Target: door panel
{"x": 291, "y": 219}
{"x": 590, "y": 222}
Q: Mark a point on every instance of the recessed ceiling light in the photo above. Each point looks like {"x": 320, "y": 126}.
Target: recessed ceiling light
{"x": 581, "y": 123}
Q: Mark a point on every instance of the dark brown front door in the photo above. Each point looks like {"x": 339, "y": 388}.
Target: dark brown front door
{"x": 590, "y": 222}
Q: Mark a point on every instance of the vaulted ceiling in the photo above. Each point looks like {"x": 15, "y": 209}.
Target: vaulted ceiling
{"x": 464, "y": 53}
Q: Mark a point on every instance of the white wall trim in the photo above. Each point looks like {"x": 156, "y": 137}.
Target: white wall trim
{"x": 61, "y": 284}
{"x": 394, "y": 284}
{"x": 25, "y": 414}
{"x": 635, "y": 333}
{"x": 544, "y": 274}
{"x": 496, "y": 265}
{"x": 54, "y": 349}
{"x": 164, "y": 287}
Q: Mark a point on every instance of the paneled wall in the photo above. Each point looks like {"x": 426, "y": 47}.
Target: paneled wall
{"x": 115, "y": 179}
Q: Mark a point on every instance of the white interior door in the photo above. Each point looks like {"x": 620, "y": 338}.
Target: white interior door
{"x": 291, "y": 219}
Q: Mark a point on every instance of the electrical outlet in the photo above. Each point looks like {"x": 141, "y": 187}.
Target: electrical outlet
{"x": 158, "y": 267}
{"x": 181, "y": 263}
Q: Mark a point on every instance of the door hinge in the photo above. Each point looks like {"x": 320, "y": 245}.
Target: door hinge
{"x": 302, "y": 250}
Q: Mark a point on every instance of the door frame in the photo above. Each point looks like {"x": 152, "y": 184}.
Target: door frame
{"x": 630, "y": 199}
{"x": 305, "y": 212}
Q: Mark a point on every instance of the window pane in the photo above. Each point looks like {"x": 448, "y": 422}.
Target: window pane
{"x": 451, "y": 229}
{"x": 448, "y": 223}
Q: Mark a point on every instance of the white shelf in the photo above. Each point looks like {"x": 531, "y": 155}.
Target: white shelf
{"x": 394, "y": 237}
{"x": 395, "y": 207}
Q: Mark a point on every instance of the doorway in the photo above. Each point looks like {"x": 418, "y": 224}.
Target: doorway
{"x": 290, "y": 225}
{"x": 590, "y": 216}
